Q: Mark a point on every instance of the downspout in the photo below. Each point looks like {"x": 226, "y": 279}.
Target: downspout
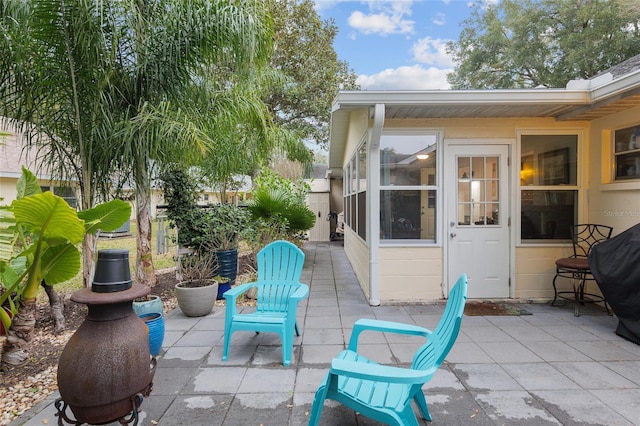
{"x": 373, "y": 179}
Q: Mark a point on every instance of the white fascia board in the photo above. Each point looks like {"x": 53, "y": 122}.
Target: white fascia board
{"x": 621, "y": 85}
{"x": 355, "y": 99}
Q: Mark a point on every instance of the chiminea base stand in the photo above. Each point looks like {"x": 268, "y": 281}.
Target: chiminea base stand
{"x": 136, "y": 402}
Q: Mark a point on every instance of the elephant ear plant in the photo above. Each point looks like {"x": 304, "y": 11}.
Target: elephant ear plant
{"x": 39, "y": 232}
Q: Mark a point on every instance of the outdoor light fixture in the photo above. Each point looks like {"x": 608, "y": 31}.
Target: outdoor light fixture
{"x": 422, "y": 156}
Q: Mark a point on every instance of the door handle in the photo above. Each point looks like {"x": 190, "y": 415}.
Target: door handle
{"x": 453, "y": 234}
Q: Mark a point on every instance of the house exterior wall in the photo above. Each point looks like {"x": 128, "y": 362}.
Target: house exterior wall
{"x": 358, "y": 128}
{"x": 358, "y": 254}
{"x": 411, "y": 274}
{"x": 611, "y": 203}
{"x": 535, "y": 268}
{"x": 416, "y": 273}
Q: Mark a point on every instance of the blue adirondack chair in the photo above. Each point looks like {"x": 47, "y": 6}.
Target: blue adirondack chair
{"x": 278, "y": 293}
{"x": 384, "y": 393}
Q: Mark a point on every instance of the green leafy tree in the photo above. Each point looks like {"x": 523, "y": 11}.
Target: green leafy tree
{"x": 278, "y": 209}
{"x": 530, "y": 43}
{"x": 304, "y": 53}
{"x": 244, "y": 144}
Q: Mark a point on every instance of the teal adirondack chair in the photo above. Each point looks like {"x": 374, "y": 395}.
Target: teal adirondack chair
{"x": 384, "y": 393}
{"x": 278, "y": 293}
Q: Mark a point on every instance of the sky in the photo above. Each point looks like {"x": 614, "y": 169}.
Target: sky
{"x": 398, "y": 44}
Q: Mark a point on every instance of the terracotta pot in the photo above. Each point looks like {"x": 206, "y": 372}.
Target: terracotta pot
{"x": 195, "y": 299}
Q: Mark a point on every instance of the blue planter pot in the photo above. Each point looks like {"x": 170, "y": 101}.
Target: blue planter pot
{"x": 228, "y": 268}
{"x": 155, "y": 323}
{"x": 151, "y": 305}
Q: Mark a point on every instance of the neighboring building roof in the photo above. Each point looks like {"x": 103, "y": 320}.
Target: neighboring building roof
{"x": 623, "y": 68}
{"x": 319, "y": 171}
{"x": 615, "y": 90}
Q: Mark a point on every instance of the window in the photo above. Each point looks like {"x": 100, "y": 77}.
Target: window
{"x": 478, "y": 191}
{"x": 627, "y": 153}
{"x": 355, "y": 200}
{"x": 65, "y": 192}
{"x": 408, "y": 186}
{"x": 548, "y": 187}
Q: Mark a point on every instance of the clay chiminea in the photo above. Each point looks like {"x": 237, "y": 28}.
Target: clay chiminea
{"x": 106, "y": 370}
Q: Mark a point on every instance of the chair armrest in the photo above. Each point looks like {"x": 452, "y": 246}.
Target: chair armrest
{"x": 234, "y": 292}
{"x": 301, "y": 292}
{"x": 379, "y": 373}
{"x": 385, "y": 327}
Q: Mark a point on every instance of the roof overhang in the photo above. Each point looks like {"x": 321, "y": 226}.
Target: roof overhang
{"x": 581, "y": 100}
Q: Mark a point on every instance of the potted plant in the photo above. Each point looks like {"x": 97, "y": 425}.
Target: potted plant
{"x": 150, "y": 303}
{"x": 198, "y": 291}
{"x": 227, "y": 224}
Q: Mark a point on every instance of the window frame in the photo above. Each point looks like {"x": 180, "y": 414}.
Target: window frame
{"x": 436, "y": 187}
{"x": 572, "y": 188}
{"x": 620, "y": 149}
{"x": 353, "y": 190}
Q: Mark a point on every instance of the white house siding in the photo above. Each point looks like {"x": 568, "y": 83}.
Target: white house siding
{"x": 416, "y": 273}
{"x": 616, "y": 204}
{"x": 358, "y": 254}
{"x": 411, "y": 274}
{"x": 535, "y": 268}
{"x": 359, "y": 125}
{"x": 7, "y": 190}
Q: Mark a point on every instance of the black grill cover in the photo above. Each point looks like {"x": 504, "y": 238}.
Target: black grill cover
{"x": 615, "y": 265}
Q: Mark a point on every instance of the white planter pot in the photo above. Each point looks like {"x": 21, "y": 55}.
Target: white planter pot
{"x": 196, "y": 301}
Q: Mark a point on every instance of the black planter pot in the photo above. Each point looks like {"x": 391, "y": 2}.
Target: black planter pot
{"x": 227, "y": 261}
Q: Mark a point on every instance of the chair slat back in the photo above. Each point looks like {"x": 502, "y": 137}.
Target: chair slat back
{"x": 279, "y": 269}
{"x": 280, "y": 261}
{"x": 274, "y": 297}
{"x": 587, "y": 235}
{"x": 433, "y": 353}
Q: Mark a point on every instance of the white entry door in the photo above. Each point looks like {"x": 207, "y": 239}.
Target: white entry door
{"x": 477, "y": 219}
{"x": 318, "y": 203}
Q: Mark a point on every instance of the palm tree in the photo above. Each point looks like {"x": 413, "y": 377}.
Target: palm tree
{"x": 107, "y": 83}
{"x": 249, "y": 142}
{"x": 54, "y": 87}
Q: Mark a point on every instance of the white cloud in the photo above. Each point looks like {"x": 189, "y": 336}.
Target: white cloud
{"x": 432, "y": 51}
{"x": 414, "y": 77}
{"x": 440, "y": 19}
{"x": 383, "y": 18}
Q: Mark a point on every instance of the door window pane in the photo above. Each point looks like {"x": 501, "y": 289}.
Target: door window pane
{"x": 478, "y": 190}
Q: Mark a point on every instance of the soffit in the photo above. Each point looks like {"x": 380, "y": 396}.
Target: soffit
{"x": 582, "y": 104}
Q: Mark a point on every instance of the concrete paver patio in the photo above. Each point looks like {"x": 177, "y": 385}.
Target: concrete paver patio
{"x": 548, "y": 368}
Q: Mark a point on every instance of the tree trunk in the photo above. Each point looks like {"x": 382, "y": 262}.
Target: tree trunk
{"x": 88, "y": 255}
{"x": 15, "y": 352}
{"x": 145, "y": 273}
{"x": 56, "y": 304}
